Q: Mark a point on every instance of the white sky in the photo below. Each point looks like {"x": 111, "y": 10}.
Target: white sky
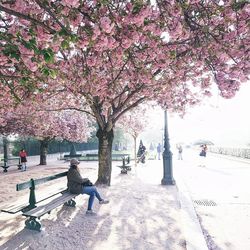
{"x": 226, "y": 122}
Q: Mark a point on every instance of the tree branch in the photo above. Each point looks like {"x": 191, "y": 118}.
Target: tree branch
{"x": 43, "y": 6}
{"x": 9, "y": 77}
{"x": 128, "y": 108}
{"x": 68, "y": 108}
{"x": 27, "y": 17}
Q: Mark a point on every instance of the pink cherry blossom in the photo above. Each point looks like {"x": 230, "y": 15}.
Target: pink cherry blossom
{"x": 71, "y": 3}
{"x": 110, "y": 56}
{"x": 106, "y": 25}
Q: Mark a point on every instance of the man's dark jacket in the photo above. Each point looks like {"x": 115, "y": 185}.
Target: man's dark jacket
{"x": 75, "y": 181}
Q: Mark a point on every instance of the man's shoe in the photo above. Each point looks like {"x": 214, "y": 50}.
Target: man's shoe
{"x": 103, "y": 202}
{"x": 90, "y": 212}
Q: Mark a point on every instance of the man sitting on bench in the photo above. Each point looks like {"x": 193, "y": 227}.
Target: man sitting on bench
{"x": 78, "y": 185}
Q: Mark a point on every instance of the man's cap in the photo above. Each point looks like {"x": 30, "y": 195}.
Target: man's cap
{"x": 74, "y": 162}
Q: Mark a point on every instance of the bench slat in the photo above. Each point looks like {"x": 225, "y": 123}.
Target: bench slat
{"x": 28, "y": 184}
{"x": 114, "y": 156}
{"x": 50, "y": 178}
{"x": 72, "y": 156}
{"x": 13, "y": 209}
{"x": 44, "y": 209}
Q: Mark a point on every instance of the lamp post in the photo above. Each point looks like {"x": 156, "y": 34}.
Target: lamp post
{"x": 167, "y": 156}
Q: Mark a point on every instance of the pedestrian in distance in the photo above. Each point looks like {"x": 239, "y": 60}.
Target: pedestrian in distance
{"x": 203, "y": 154}
{"x": 159, "y": 151}
{"x": 79, "y": 185}
{"x": 23, "y": 159}
{"x": 141, "y": 154}
{"x": 180, "y": 150}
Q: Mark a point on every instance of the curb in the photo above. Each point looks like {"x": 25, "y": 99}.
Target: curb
{"x": 191, "y": 226}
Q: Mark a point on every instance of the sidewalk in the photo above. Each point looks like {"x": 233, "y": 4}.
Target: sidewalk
{"x": 141, "y": 215}
{"x": 231, "y": 157}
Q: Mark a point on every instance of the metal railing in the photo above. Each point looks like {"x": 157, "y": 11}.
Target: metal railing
{"x": 237, "y": 152}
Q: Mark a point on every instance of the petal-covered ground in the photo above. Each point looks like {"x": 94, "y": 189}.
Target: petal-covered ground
{"x": 141, "y": 215}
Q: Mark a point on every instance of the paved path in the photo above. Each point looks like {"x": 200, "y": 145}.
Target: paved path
{"x": 220, "y": 192}
{"x": 141, "y": 215}
{"x": 223, "y": 182}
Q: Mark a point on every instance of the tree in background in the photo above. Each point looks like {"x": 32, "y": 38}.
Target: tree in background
{"x": 69, "y": 125}
{"x": 134, "y": 122}
{"x": 106, "y": 57}
{"x": 120, "y": 139}
{"x": 46, "y": 126}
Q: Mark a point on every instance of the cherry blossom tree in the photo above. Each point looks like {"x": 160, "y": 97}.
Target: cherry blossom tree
{"x": 133, "y": 123}
{"x": 46, "y": 126}
{"x": 68, "y": 125}
{"x": 107, "y": 57}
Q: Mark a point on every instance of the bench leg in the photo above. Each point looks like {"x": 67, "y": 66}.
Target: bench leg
{"x": 5, "y": 169}
{"x": 70, "y": 203}
{"x": 32, "y": 224}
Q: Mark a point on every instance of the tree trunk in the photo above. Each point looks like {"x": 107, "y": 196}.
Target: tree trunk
{"x": 72, "y": 149}
{"x": 105, "y": 156}
{"x": 5, "y": 149}
{"x": 43, "y": 151}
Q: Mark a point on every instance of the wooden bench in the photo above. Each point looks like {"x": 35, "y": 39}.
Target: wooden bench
{"x": 118, "y": 157}
{"x": 12, "y": 161}
{"x": 35, "y": 209}
{"x": 125, "y": 165}
{"x": 115, "y": 157}
{"x": 91, "y": 157}
{"x": 69, "y": 157}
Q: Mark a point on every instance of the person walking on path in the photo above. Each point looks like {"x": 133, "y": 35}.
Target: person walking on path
{"x": 203, "y": 154}
{"x": 78, "y": 185}
{"x": 159, "y": 151}
{"x": 23, "y": 159}
{"x": 141, "y": 154}
{"x": 180, "y": 149}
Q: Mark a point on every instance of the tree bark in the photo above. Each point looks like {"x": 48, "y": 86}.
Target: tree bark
{"x": 43, "y": 151}
{"x": 5, "y": 149}
{"x": 72, "y": 149}
{"x": 105, "y": 156}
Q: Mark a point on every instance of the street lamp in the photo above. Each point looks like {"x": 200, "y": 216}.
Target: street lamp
{"x": 167, "y": 156}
